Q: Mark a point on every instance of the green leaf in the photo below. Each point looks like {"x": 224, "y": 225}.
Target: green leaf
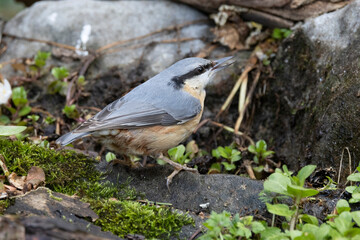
{"x": 257, "y": 227}
{"x": 309, "y": 219}
{"x": 4, "y": 119}
{"x": 301, "y": 192}
{"x": 228, "y": 166}
{"x": 355, "y": 197}
{"x": 24, "y": 111}
{"x": 351, "y": 189}
{"x": 81, "y": 81}
{"x": 223, "y": 152}
{"x": 355, "y": 177}
{"x": 19, "y": 96}
{"x": 280, "y": 209}
{"x": 71, "y": 111}
{"x": 216, "y": 167}
{"x": 343, "y": 222}
{"x": 356, "y": 217}
{"x": 40, "y": 58}
{"x": 261, "y": 145}
{"x": 277, "y": 183}
{"x": 252, "y": 149}
{"x": 11, "y": 130}
{"x": 305, "y": 172}
{"x": 215, "y": 153}
{"x": 110, "y": 156}
{"x": 267, "y": 153}
{"x": 59, "y": 72}
{"x": 176, "y": 153}
{"x": 342, "y": 206}
{"x": 276, "y": 34}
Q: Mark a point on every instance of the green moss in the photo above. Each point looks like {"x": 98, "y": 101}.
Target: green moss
{"x": 72, "y": 173}
{"x": 64, "y": 170}
{"x": 129, "y": 217}
{"x": 4, "y": 204}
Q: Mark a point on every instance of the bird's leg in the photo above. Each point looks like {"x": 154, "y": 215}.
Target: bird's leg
{"x": 178, "y": 167}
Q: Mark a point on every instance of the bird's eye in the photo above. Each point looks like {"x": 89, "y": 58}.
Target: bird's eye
{"x": 200, "y": 69}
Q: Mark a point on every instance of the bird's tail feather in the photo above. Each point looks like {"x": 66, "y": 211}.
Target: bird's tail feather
{"x": 70, "y": 137}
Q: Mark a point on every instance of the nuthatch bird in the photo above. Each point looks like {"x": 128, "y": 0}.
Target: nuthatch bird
{"x": 156, "y": 115}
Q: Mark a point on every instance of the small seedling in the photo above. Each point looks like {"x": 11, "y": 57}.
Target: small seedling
{"x": 34, "y": 118}
{"x": 229, "y": 153}
{"x": 49, "y": 120}
{"x": 260, "y": 151}
{"x": 19, "y": 99}
{"x": 39, "y": 61}
{"x": 110, "y": 156}
{"x": 282, "y": 182}
{"x": 280, "y": 33}
{"x": 177, "y": 154}
{"x": 354, "y": 190}
{"x": 71, "y": 112}
{"x": 222, "y": 226}
{"x": 59, "y": 85}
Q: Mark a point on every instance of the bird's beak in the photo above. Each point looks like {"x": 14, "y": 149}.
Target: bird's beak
{"x": 222, "y": 63}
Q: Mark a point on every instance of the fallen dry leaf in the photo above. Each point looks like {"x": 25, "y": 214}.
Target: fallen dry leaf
{"x": 3, "y": 193}
{"x": 16, "y": 181}
{"x": 35, "y": 177}
{"x": 228, "y": 36}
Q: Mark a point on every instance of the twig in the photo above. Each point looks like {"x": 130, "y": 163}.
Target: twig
{"x": 170, "y": 28}
{"x": 229, "y": 129}
{"x": 202, "y": 123}
{"x": 247, "y": 101}
{"x": 249, "y": 170}
{"x": 195, "y": 234}
{"x": 249, "y": 66}
{"x": 113, "y": 50}
{"x": 41, "y": 41}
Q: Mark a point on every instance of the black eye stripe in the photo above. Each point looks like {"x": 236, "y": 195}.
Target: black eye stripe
{"x": 178, "y": 81}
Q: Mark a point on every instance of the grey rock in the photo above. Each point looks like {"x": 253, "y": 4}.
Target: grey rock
{"x": 89, "y": 25}
{"x": 311, "y": 108}
{"x": 192, "y": 192}
{"x": 61, "y": 212}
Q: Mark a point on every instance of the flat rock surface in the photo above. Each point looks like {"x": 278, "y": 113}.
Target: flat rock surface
{"x": 216, "y": 192}
{"x": 61, "y": 211}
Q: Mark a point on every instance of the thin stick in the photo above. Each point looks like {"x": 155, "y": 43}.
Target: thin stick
{"x": 249, "y": 170}
{"x": 170, "y": 28}
{"x": 42, "y": 41}
{"x": 247, "y": 101}
{"x": 113, "y": 50}
{"x": 229, "y": 129}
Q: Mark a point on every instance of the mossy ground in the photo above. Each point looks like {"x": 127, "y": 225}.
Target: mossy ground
{"x": 72, "y": 173}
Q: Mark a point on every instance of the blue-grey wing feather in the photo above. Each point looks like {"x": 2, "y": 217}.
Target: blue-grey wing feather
{"x": 152, "y": 103}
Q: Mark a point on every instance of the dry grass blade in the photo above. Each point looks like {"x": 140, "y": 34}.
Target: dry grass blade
{"x": 242, "y": 95}
{"x": 341, "y": 162}
{"x": 247, "y": 101}
{"x": 251, "y": 64}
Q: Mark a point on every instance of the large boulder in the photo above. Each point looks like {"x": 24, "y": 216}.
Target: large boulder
{"x": 311, "y": 111}
{"x": 90, "y": 25}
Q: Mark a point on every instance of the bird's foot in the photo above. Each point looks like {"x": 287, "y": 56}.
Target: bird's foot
{"x": 178, "y": 167}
